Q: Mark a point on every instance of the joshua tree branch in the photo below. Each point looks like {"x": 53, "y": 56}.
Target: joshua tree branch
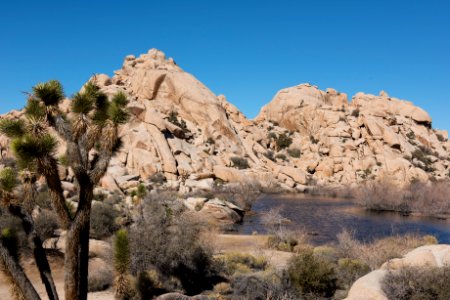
{"x": 50, "y": 171}
{"x": 100, "y": 166}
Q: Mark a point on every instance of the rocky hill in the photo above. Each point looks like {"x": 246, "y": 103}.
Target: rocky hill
{"x": 183, "y": 134}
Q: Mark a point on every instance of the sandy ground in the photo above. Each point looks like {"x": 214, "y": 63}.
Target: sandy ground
{"x": 222, "y": 243}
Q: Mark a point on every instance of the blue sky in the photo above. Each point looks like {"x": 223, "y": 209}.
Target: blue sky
{"x": 247, "y": 50}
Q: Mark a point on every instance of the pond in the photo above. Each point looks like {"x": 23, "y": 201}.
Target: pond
{"x": 323, "y": 218}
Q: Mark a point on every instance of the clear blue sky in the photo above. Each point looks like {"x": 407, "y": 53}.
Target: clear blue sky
{"x": 247, "y": 50}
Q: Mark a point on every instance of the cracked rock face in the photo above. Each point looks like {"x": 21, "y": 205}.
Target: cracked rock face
{"x": 181, "y": 130}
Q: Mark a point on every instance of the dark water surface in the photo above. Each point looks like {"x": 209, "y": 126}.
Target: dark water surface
{"x": 324, "y": 218}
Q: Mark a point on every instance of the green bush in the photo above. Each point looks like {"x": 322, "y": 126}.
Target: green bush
{"x": 239, "y": 162}
{"x": 312, "y": 275}
{"x": 418, "y": 283}
{"x": 349, "y": 270}
{"x": 103, "y": 221}
{"x": 294, "y": 152}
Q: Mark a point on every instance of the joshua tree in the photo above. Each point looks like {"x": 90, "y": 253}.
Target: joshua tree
{"x": 90, "y": 135}
{"x": 122, "y": 261}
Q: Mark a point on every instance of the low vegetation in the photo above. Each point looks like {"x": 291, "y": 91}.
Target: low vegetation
{"x": 239, "y": 162}
{"x": 418, "y": 283}
{"x": 418, "y": 197}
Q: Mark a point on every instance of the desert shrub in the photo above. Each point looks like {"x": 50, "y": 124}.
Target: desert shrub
{"x": 172, "y": 245}
{"x": 270, "y": 155}
{"x": 355, "y": 113}
{"x": 349, "y": 270}
{"x": 313, "y": 140}
{"x": 43, "y": 198}
{"x": 310, "y": 274}
{"x": 140, "y": 191}
{"x": 377, "y": 252}
{"x": 173, "y": 118}
{"x": 157, "y": 178}
{"x": 283, "y": 141}
{"x": 242, "y": 263}
{"x": 422, "y": 155}
{"x": 239, "y": 162}
{"x": 429, "y": 199}
{"x": 281, "y": 156}
{"x": 99, "y": 279}
{"x": 294, "y": 152}
{"x": 147, "y": 286}
{"x": 46, "y": 223}
{"x": 272, "y": 286}
{"x": 272, "y": 135}
{"x": 418, "y": 283}
{"x": 103, "y": 221}
{"x": 411, "y": 135}
{"x": 440, "y": 137}
{"x": 210, "y": 141}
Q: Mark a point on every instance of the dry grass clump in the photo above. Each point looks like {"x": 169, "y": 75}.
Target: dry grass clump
{"x": 379, "y": 251}
{"x": 236, "y": 263}
{"x": 418, "y": 283}
{"x": 418, "y": 197}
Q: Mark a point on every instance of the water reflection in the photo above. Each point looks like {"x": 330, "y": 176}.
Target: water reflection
{"x": 324, "y": 218}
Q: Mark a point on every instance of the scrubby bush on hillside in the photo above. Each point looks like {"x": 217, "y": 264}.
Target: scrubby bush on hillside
{"x": 294, "y": 152}
{"x": 441, "y": 138}
{"x": 281, "y": 156}
{"x": 103, "y": 221}
{"x": 172, "y": 245}
{"x": 239, "y": 162}
{"x": 418, "y": 283}
{"x": 283, "y": 141}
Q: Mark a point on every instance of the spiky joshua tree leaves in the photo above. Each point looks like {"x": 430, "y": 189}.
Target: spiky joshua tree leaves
{"x": 122, "y": 261}
{"x": 90, "y": 134}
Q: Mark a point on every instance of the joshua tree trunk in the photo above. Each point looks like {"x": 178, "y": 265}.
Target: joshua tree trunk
{"x": 77, "y": 246}
{"x": 17, "y": 275}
